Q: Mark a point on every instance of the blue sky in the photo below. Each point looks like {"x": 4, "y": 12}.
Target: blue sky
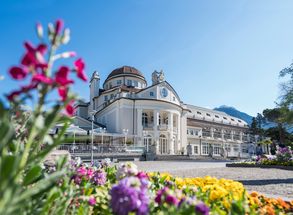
{"x": 213, "y": 52}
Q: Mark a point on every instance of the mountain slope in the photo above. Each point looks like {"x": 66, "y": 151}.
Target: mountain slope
{"x": 235, "y": 113}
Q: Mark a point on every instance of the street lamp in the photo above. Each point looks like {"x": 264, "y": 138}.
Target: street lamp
{"x": 92, "y": 143}
{"x": 102, "y": 130}
{"x": 144, "y": 139}
{"x": 125, "y": 132}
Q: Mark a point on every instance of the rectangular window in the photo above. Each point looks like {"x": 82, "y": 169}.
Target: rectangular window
{"x": 110, "y": 84}
{"x": 112, "y": 96}
{"x": 129, "y": 82}
{"x": 106, "y": 98}
{"x": 205, "y": 148}
{"x": 135, "y": 83}
{"x": 151, "y": 94}
{"x": 174, "y": 99}
{"x": 195, "y": 149}
{"x": 119, "y": 82}
{"x": 217, "y": 149}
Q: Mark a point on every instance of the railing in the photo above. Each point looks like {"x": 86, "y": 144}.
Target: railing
{"x": 206, "y": 134}
{"x": 217, "y": 135}
{"x": 236, "y": 137}
{"x": 149, "y": 125}
{"x": 85, "y": 149}
{"x": 227, "y": 136}
{"x": 163, "y": 127}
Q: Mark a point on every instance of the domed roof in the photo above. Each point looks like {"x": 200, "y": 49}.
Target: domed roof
{"x": 125, "y": 70}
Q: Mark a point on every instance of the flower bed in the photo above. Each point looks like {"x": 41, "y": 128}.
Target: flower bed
{"x": 282, "y": 160}
{"x": 103, "y": 189}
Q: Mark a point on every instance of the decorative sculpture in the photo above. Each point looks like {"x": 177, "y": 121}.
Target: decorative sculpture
{"x": 158, "y": 77}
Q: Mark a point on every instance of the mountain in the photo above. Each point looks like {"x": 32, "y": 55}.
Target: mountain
{"x": 236, "y": 113}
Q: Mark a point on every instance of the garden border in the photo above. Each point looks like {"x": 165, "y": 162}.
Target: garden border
{"x": 259, "y": 166}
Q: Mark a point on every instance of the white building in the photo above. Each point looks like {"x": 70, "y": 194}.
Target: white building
{"x": 155, "y": 115}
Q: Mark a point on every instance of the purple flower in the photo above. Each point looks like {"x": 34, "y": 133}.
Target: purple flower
{"x": 99, "y": 177}
{"x": 166, "y": 195}
{"x": 172, "y": 200}
{"x": 77, "y": 179}
{"x": 129, "y": 196}
{"x": 202, "y": 209}
{"x": 92, "y": 201}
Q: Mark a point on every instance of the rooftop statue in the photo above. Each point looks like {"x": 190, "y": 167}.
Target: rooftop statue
{"x": 158, "y": 77}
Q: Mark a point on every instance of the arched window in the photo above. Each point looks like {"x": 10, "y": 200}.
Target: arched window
{"x": 144, "y": 119}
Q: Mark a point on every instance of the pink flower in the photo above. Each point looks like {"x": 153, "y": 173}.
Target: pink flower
{"x": 69, "y": 109}
{"x": 90, "y": 172}
{"x": 142, "y": 175}
{"x": 23, "y": 89}
{"x": 62, "y": 91}
{"x": 13, "y": 94}
{"x": 59, "y": 26}
{"x": 40, "y": 78}
{"x": 92, "y": 201}
{"x": 61, "y": 76}
{"x": 18, "y": 73}
{"x": 82, "y": 170}
{"x": 79, "y": 66}
{"x": 34, "y": 57}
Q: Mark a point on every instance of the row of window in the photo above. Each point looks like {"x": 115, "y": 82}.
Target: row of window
{"x": 193, "y": 132}
{"x": 110, "y": 97}
{"x": 217, "y": 148}
{"x": 129, "y": 82}
{"x": 217, "y": 116}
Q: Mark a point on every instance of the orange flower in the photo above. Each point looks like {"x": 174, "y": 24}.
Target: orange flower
{"x": 254, "y": 194}
{"x": 283, "y": 203}
{"x": 269, "y": 210}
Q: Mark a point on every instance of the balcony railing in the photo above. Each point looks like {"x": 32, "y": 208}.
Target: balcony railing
{"x": 163, "y": 127}
{"x": 217, "y": 135}
{"x": 227, "y": 136}
{"x": 149, "y": 125}
{"x": 206, "y": 134}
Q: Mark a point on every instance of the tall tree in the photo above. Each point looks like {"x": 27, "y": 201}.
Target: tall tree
{"x": 277, "y": 116}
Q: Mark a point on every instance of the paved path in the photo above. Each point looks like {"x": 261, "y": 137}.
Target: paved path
{"x": 272, "y": 182}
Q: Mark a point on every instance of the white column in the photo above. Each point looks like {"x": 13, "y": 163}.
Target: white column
{"x": 139, "y": 127}
{"x": 212, "y": 132}
{"x": 222, "y": 134}
{"x": 241, "y": 136}
{"x": 171, "y": 139}
{"x": 156, "y": 132}
{"x": 179, "y": 133}
{"x": 232, "y": 135}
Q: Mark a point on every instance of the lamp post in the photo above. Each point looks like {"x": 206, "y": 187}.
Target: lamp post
{"x": 144, "y": 139}
{"x": 200, "y": 145}
{"x": 125, "y": 132}
{"x": 92, "y": 142}
{"x": 102, "y": 130}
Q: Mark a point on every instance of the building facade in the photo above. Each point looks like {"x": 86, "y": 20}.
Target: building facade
{"x": 154, "y": 115}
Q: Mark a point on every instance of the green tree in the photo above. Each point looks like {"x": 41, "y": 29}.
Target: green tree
{"x": 279, "y": 117}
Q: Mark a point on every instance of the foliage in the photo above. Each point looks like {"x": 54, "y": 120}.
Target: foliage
{"x": 279, "y": 117}
{"x": 25, "y": 187}
{"x": 105, "y": 189}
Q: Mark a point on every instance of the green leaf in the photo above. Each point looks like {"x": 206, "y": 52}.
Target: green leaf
{"x": 7, "y": 165}
{"x": 32, "y": 175}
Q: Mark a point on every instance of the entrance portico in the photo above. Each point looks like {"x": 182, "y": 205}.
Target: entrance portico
{"x": 159, "y": 127}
